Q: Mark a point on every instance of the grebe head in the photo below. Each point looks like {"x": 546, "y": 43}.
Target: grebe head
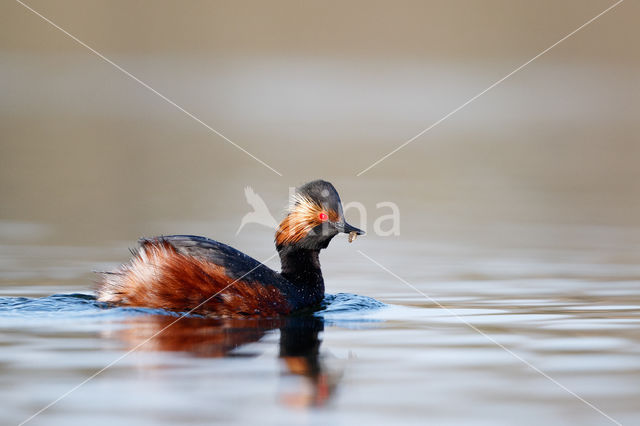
{"x": 314, "y": 217}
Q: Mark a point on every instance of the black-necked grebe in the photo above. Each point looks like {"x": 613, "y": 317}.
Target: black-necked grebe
{"x": 190, "y": 273}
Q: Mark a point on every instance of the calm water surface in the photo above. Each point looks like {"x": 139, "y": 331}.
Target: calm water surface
{"x": 572, "y": 313}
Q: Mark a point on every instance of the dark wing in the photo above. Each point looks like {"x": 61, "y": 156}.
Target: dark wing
{"x": 237, "y": 264}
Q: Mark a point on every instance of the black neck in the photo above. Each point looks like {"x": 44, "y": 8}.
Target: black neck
{"x": 301, "y": 267}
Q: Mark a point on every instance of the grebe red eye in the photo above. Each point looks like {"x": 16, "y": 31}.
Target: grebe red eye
{"x": 323, "y": 216}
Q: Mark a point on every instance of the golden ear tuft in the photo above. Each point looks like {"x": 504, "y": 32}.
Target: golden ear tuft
{"x": 303, "y": 215}
{"x": 300, "y": 202}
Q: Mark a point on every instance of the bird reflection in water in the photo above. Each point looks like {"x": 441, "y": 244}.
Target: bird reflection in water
{"x": 216, "y": 338}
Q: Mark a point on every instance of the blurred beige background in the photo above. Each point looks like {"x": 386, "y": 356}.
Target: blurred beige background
{"x": 317, "y": 89}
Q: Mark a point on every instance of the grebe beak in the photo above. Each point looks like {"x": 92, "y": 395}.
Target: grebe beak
{"x": 347, "y": 229}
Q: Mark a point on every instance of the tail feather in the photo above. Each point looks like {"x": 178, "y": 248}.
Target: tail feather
{"x": 158, "y": 276}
